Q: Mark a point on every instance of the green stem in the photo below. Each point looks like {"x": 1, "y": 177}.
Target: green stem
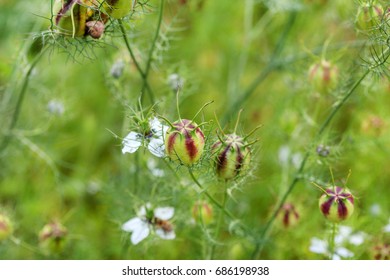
{"x": 219, "y": 223}
{"x": 212, "y": 199}
{"x": 137, "y": 65}
{"x": 298, "y": 174}
{"x": 272, "y": 65}
{"x": 150, "y": 56}
{"x": 19, "y": 103}
{"x": 332, "y": 241}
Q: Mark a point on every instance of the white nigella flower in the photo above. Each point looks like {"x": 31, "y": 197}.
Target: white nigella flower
{"x": 148, "y": 219}
{"x": 153, "y": 139}
{"x": 153, "y": 167}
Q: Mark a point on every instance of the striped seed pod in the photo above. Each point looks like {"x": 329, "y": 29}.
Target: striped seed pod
{"x": 202, "y": 212}
{"x": 184, "y": 141}
{"x": 323, "y": 76}
{"x": 232, "y": 156}
{"x": 369, "y": 15}
{"x": 52, "y": 237}
{"x": 289, "y": 215}
{"x": 336, "y": 204}
{"x": 6, "y": 227}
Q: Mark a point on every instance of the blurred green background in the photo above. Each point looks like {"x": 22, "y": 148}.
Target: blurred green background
{"x": 68, "y": 166}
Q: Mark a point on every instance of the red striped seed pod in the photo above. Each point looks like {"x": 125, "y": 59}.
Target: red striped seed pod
{"x": 336, "y": 204}
{"x": 184, "y": 141}
{"x": 369, "y": 15}
{"x": 289, "y": 215}
{"x": 232, "y": 156}
{"x": 323, "y": 76}
{"x": 202, "y": 212}
{"x": 52, "y": 237}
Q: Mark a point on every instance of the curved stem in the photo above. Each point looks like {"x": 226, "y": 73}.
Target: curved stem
{"x": 272, "y": 65}
{"x": 298, "y": 174}
{"x": 137, "y": 65}
{"x": 150, "y": 56}
{"x": 19, "y": 103}
{"x": 219, "y": 222}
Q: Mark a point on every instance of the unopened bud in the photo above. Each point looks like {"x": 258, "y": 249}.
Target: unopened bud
{"x": 323, "y": 76}
{"x": 202, "y": 212}
{"x": 52, "y": 237}
{"x": 369, "y": 15}
{"x": 288, "y": 215}
{"x": 95, "y": 29}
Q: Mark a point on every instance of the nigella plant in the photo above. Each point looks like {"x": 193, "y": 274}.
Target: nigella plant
{"x": 232, "y": 153}
{"x": 148, "y": 132}
{"x": 150, "y": 218}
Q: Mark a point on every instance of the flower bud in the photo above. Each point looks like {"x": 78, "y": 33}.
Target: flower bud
{"x": 52, "y": 237}
{"x": 118, "y": 8}
{"x": 369, "y": 15}
{"x": 184, "y": 142}
{"x": 336, "y": 204}
{"x": 323, "y": 76}
{"x": 202, "y": 212}
{"x": 289, "y": 215}
{"x": 232, "y": 156}
{"x": 95, "y": 28}
{"x": 6, "y": 227}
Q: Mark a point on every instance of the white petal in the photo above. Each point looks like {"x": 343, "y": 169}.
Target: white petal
{"x": 318, "y": 246}
{"x": 357, "y": 238}
{"x": 336, "y": 257}
{"x": 156, "y": 147}
{"x": 165, "y": 234}
{"x": 140, "y": 234}
{"x": 155, "y": 124}
{"x": 164, "y": 213}
{"x": 386, "y": 228}
{"x": 132, "y": 142}
{"x": 344, "y": 253}
{"x": 133, "y": 224}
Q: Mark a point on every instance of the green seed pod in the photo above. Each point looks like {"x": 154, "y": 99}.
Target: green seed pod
{"x": 184, "y": 142}
{"x": 369, "y": 15}
{"x": 202, "y": 212}
{"x": 232, "y": 156}
{"x": 72, "y": 16}
{"x": 336, "y": 204}
{"x": 52, "y": 237}
{"x": 118, "y": 8}
{"x": 6, "y": 227}
{"x": 323, "y": 76}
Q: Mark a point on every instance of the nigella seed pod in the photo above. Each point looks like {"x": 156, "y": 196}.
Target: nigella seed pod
{"x": 202, "y": 212}
{"x": 369, "y": 15}
{"x": 184, "y": 141}
{"x": 232, "y": 156}
{"x": 6, "y": 227}
{"x": 381, "y": 252}
{"x": 52, "y": 237}
{"x": 323, "y": 76}
{"x": 95, "y": 29}
{"x": 118, "y": 8}
{"x": 337, "y": 204}
{"x": 289, "y": 215}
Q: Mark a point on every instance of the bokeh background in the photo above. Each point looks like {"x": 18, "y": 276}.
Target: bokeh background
{"x": 66, "y": 164}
